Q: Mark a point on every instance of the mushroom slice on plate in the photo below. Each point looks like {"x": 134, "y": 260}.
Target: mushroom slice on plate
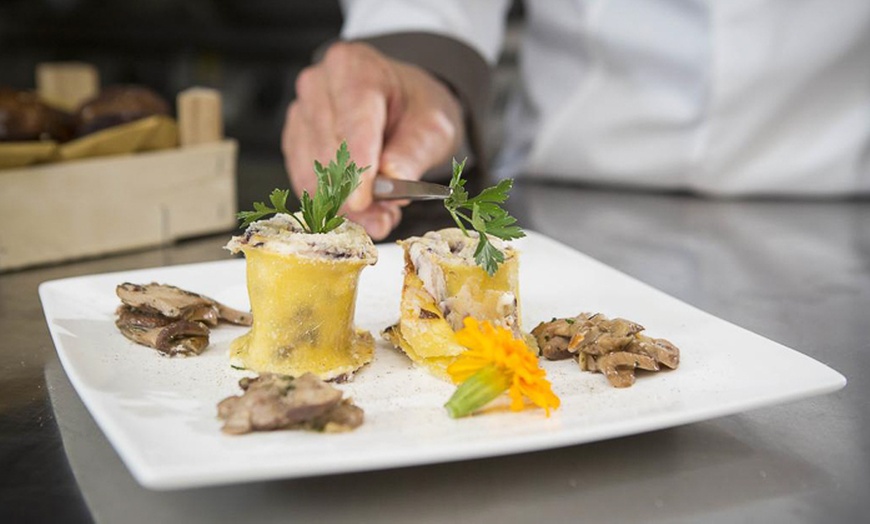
{"x": 663, "y": 351}
{"x": 619, "y": 367}
{"x": 553, "y": 337}
{"x": 272, "y": 401}
{"x": 171, "y": 337}
{"x": 176, "y": 303}
{"x": 613, "y": 347}
{"x": 598, "y": 335}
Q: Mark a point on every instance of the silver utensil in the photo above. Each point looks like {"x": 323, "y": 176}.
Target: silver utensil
{"x": 386, "y": 188}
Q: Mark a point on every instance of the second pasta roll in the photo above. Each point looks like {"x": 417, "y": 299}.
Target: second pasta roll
{"x": 443, "y": 285}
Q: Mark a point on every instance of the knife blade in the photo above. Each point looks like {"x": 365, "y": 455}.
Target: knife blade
{"x": 386, "y": 188}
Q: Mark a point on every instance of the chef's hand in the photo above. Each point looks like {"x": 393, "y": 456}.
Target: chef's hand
{"x": 397, "y": 118}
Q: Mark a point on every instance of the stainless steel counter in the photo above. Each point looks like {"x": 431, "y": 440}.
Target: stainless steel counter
{"x": 795, "y": 272}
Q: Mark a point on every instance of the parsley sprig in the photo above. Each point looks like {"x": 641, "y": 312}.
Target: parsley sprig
{"x": 487, "y": 217}
{"x": 335, "y": 183}
{"x": 278, "y": 198}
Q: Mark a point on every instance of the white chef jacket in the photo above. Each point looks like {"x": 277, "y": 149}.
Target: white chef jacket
{"x": 727, "y": 97}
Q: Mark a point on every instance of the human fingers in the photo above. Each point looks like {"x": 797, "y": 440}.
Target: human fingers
{"x": 378, "y": 220}
{"x": 360, "y": 83}
{"x": 309, "y": 131}
{"x": 429, "y": 129}
{"x": 300, "y": 151}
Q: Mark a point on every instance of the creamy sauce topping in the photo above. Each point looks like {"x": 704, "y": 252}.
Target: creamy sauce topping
{"x": 282, "y": 235}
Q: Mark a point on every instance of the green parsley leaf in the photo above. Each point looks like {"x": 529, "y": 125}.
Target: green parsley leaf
{"x": 487, "y": 217}
{"x": 335, "y": 183}
{"x": 278, "y": 198}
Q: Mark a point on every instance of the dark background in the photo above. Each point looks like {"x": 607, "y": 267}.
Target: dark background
{"x": 250, "y": 50}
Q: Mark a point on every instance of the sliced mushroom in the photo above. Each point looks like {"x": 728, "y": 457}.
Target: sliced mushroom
{"x": 132, "y": 317}
{"x": 342, "y": 417}
{"x": 565, "y": 327}
{"x": 556, "y": 349}
{"x": 663, "y": 351}
{"x": 176, "y": 338}
{"x": 234, "y": 316}
{"x": 622, "y": 378}
{"x": 587, "y": 362}
{"x": 176, "y": 303}
{"x": 598, "y": 335}
{"x": 207, "y": 314}
{"x": 273, "y": 401}
{"x": 552, "y": 338}
{"x": 619, "y": 367}
{"x": 594, "y": 338}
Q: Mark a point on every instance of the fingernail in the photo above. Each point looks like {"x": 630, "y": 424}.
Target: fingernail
{"x": 393, "y": 170}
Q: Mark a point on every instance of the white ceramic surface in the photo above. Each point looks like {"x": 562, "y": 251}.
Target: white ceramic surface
{"x": 159, "y": 413}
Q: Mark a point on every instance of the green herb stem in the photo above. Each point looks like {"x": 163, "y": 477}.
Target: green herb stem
{"x": 487, "y": 217}
{"x": 335, "y": 183}
{"x": 477, "y": 391}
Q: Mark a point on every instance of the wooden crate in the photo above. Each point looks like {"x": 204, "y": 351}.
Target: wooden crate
{"x": 59, "y": 212}
{"x": 89, "y": 207}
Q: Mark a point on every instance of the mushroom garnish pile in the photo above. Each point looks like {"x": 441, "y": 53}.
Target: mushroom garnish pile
{"x": 271, "y": 401}
{"x": 169, "y": 319}
{"x": 613, "y": 347}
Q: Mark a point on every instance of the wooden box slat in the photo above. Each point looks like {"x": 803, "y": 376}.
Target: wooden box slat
{"x": 58, "y": 212}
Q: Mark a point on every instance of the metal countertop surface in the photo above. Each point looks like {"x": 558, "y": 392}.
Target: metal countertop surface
{"x": 797, "y": 272}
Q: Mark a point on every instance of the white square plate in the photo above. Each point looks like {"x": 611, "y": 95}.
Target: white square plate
{"x": 160, "y": 413}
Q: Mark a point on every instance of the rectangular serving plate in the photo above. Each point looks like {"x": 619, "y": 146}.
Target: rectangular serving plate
{"x": 160, "y": 413}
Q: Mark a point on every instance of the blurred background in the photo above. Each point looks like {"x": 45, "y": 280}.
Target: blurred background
{"x": 250, "y": 50}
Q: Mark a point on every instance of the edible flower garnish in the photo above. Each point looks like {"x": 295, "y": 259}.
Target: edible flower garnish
{"x": 335, "y": 183}
{"x": 494, "y": 363}
{"x": 487, "y": 217}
